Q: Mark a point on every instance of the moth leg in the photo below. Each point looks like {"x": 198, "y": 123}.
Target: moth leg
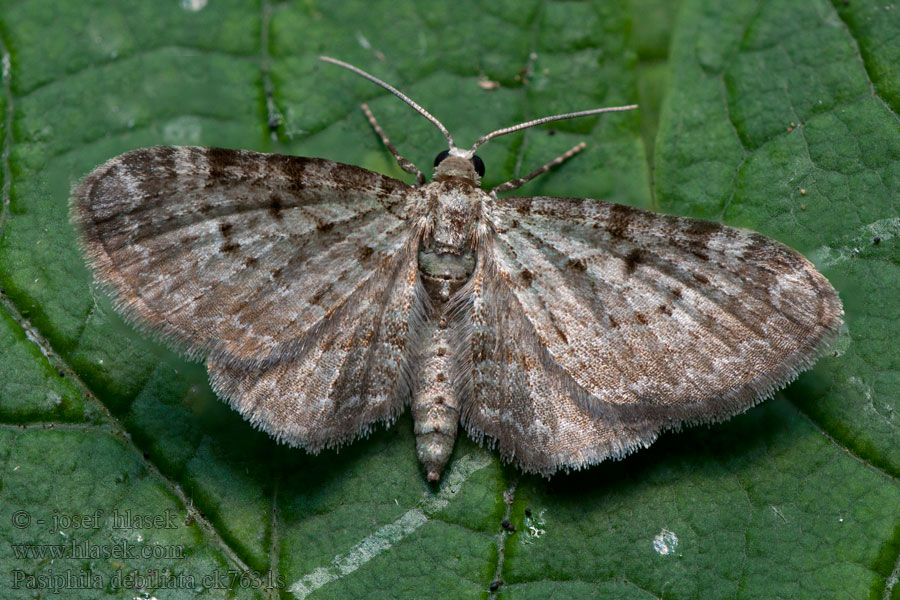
{"x": 515, "y": 183}
{"x": 404, "y": 163}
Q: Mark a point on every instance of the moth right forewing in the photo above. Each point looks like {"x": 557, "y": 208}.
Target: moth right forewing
{"x": 677, "y": 319}
{"x": 588, "y": 328}
{"x": 234, "y": 251}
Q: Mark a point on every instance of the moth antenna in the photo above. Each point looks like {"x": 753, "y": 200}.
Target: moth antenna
{"x": 542, "y": 120}
{"x": 395, "y": 92}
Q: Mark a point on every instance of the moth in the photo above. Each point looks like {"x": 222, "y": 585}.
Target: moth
{"x": 562, "y": 331}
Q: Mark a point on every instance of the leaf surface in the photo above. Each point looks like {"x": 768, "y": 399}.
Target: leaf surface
{"x": 776, "y": 116}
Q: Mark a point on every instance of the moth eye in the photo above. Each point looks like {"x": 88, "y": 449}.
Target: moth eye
{"x": 440, "y": 157}
{"x": 479, "y": 165}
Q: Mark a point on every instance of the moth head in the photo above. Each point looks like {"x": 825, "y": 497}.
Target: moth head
{"x": 457, "y": 164}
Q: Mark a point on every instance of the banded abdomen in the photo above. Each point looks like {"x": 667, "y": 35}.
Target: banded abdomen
{"x": 435, "y": 407}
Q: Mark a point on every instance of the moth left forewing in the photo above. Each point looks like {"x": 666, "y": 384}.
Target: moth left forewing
{"x": 657, "y": 320}
{"x": 296, "y": 276}
{"x": 234, "y": 251}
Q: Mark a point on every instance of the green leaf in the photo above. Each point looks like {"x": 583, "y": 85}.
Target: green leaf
{"x": 777, "y": 116}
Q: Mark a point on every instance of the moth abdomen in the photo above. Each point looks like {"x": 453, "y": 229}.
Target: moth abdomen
{"x": 435, "y": 408}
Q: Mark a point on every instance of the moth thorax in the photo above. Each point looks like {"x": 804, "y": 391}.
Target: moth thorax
{"x": 456, "y": 166}
{"x": 456, "y": 208}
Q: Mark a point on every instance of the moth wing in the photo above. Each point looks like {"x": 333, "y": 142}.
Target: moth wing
{"x": 516, "y": 397}
{"x": 257, "y": 260}
{"x": 589, "y": 327}
{"x": 236, "y": 252}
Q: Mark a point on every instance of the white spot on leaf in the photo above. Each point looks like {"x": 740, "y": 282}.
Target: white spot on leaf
{"x": 363, "y": 41}
{"x": 534, "y": 527}
{"x": 193, "y": 5}
{"x": 183, "y": 131}
{"x": 665, "y": 542}
{"x": 883, "y": 229}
